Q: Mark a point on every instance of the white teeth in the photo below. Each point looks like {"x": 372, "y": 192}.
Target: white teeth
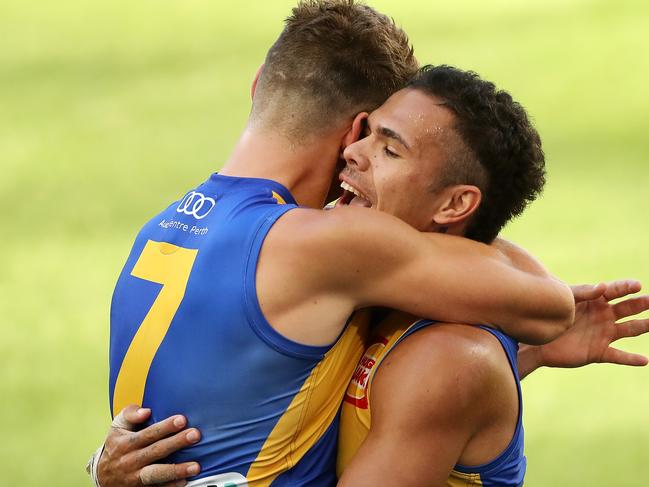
{"x": 348, "y": 187}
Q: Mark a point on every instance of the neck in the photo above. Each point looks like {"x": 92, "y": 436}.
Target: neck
{"x": 458, "y": 229}
{"x": 306, "y": 170}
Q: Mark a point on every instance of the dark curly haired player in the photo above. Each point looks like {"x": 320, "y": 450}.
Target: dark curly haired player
{"x": 438, "y": 404}
{"x": 433, "y": 403}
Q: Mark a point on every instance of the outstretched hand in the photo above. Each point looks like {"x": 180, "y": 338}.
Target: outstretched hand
{"x": 597, "y": 326}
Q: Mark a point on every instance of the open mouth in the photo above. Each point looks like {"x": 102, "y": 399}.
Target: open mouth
{"x": 352, "y": 197}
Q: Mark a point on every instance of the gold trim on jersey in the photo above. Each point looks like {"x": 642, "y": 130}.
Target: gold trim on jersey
{"x": 313, "y": 408}
{"x": 356, "y": 417}
{"x": 279, "y": 198}
{"x": 459, "y": 479}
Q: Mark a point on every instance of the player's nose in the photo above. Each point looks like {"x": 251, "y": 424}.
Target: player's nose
{"x": 355, "y": 156}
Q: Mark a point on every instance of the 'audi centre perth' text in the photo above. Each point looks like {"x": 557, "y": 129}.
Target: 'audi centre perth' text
{"x": 176, "y": 225}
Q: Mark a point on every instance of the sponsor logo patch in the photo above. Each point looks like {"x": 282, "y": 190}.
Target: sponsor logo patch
{"x": 196, "y": 204}
{"x": 357, "y": 390}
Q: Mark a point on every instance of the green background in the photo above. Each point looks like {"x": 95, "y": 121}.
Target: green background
{"x": 110, "y": 110}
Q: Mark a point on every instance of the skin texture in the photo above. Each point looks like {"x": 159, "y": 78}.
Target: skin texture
{"x": 372, "y": 268}
{"x": 444, "y": 395}
{"x": 129, "y": 456}
{"x": 406, "y": 145}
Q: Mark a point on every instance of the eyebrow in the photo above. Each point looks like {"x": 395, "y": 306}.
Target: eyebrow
{"x": 391, "y": 134}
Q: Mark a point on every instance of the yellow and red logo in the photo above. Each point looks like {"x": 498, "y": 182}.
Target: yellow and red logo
{"x": 357, "y": 390}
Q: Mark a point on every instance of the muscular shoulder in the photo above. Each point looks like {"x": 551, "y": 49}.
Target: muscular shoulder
{"x": 350, "y": 225}
{"x": 314, "y": 266}
{"x": 336, "y": 243}
{"x": 445, "y": 370}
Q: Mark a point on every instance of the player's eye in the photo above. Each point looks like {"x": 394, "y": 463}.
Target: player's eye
{"x": 389, "y": 152}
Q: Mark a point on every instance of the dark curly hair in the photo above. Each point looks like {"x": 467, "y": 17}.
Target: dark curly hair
{"x": 503, "y": 154}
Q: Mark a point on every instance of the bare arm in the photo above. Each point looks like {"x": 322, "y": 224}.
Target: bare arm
{"x": 369, "y": 258}
{"x": 424, "y": 414}
{"x": 520, "y": 258}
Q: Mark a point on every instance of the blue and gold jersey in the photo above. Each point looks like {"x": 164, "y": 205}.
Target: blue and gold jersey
{"x": 188, "y": 336}
{"x": 507, "y": 469}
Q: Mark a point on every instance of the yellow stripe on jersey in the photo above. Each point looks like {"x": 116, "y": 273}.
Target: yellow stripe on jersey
{"x": 459, "y": 479}
{"x": 279, "y": 198}
{"x": 170, "y": 266}
{"x": 356, "y": 417}
{"x": 313, "y": 408}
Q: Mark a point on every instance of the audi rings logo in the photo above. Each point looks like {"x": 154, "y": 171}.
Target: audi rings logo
{"x": 196, "y": 204}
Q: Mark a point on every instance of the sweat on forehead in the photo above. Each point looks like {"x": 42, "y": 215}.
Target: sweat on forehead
{"x": 417, "y": 117}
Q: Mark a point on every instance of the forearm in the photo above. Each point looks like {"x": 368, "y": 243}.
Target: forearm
{"x": 510, "y": 290}
{"x": 522, "y": 260}
{"x": 440, "y": 277}
{"x": 547, "y": 311}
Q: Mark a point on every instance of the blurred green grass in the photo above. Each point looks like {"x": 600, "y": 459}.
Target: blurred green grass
{"x": 109, "y": 110}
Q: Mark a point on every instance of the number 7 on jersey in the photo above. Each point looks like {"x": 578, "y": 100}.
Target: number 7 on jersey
{"x": 165, "y": 264}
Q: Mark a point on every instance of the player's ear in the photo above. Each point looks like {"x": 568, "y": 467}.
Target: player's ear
{"x": 254, "y": 82}
{"x": 458, "y": 204}
{"x": 355, "y": 131}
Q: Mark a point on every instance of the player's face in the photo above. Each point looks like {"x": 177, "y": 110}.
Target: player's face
{"x": 394, "y": 166}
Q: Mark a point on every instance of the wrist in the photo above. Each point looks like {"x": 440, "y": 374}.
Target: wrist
{"x": 538, "y": 356}
{"x": 91, "y": 466}
{"x": 530, "y": 358}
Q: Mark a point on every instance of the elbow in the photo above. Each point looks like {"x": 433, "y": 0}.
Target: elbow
{"x": 565, "y": 310}
{"x": 555, "y": 329}
{"x": 559, "y": 318}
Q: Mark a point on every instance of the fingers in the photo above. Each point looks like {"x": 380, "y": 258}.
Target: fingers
{"x": 158, "y": 431}
{"x": 621, "y": 288}
{"x": 586, "y": 292}
{"x": 632, "y": 328}
{"x": 163, "y": 448}
{"x": 620, "y": 357}
{"x": 168, "y": 474}
{"x": 131, "y": 416}
{"x": 131, "y": 454}
{"x": 630, "y": 307}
